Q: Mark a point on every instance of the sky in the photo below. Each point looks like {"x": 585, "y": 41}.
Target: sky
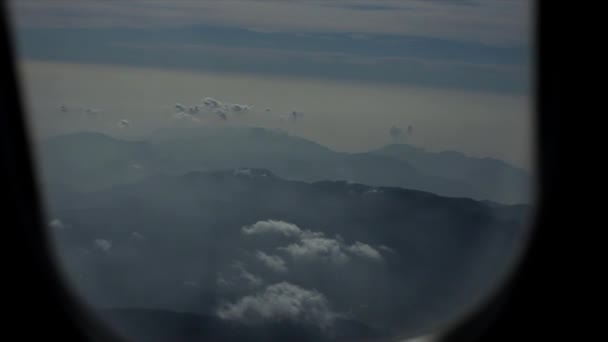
{"x": 459, "y": 72}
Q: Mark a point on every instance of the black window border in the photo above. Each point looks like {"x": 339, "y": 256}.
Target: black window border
{"x": 38, "y": 303}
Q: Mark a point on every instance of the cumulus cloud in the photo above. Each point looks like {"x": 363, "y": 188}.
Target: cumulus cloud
{"x": 273, "y": 226}
{"x": 317, "y": 247}
{"x": 180, "y": 107}
{"x": 274, "y": 262}
{"x": 193, "y": 109}
{"x": 103, "y": 244}
{"x": 221, "y": 109}
{"x": 238, "y": 108}
{"x": 57, "y": 224}
{"x": 279, "y": 302}
{"x": 212, "y": 103}
{"x": 182, "y": 115}
{"x": 364, "y": 250}
{"x": 124, "y": 123}
{"x": 221, "y": 114}
{"x": 312, "y": 245}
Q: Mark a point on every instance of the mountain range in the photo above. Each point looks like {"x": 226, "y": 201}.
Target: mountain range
{"x": 90, "y": 161}
{"x": 389, "y": 259}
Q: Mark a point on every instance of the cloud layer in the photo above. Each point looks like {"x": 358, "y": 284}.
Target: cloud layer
{"x": 278, "y": 302}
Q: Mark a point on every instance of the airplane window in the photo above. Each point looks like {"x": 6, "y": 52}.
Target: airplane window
{"x": 269, "y": 170}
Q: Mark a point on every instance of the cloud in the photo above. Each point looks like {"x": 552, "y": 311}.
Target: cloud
{"x": 103, "y": 244}
{"x": 316, "y": 247}
{"x": 279, "y": 302}
{"x": 238, "y": 275}
{"x": 212, "y": 103}
{"x": 193, "y": 109}
{"x": 490, "y": 21}
{"x": 364, "y": 250}
{"x": 274, "y": 262}
{"x": 251, "y": 279}
{"x": 124, "y": 123}
{"x": 243, "y": 274}
{"x": 180, "y": 107}
{"x": 238, "y": 108}
{"x": 57, "y": 224}
{"x": 272, "y": 226}
{"x": 221, "y": 114}
{"x": 137, "y": 236}
{"x": 222, "y": 108}
{"x": 386, "y": 249}
{"x": 312, "y": 245}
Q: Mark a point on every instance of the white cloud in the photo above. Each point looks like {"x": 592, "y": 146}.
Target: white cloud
{"x": 238, "y": 108}
{"x": 212, "y": 103}
{"x": 273, "y": 226}
{"x": 317, "y": 248}
{"x": 124, "y": 123}
{"x": 364, "y": 250}
{"x": 274, "y": 262}
{"x": 103, "y": 244}
{"x": 312, "y": 245}
{"x": 281, "y": 301}
{"x": 57, "y": 224}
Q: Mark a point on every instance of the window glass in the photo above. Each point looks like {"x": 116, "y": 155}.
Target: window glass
{"x": 281, "y": 170}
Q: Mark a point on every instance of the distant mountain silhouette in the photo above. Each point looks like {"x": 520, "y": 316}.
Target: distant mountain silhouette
{"x": 490, "y": 178}
{"x": 92, "y": 161}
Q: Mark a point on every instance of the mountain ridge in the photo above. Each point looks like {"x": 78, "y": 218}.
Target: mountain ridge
{"x": 288, "y": 157}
